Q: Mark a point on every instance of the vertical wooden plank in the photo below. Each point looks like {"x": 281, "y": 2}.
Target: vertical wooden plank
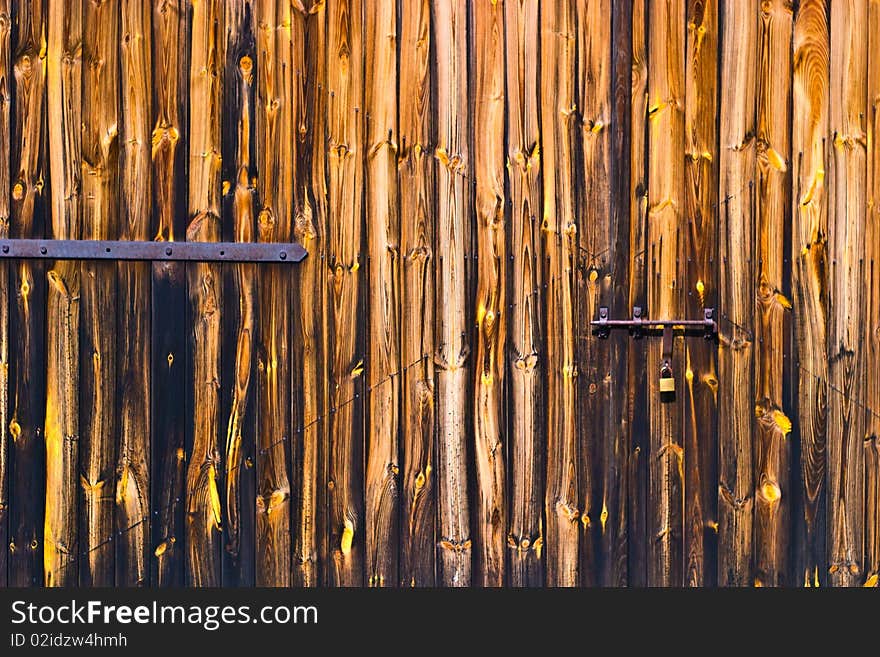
{"x": 598, "y": 256}
{"x": 204, "y": 473}
{"x": 417, "y": 192}
{"x": 872, "y": 275}
{"x": 346, "y": 141}
{"x": 453, "y": 233}
{"x": 5, "y": 143}
{"x": 525, "y": 530}
{"x": 168, "y": 305}
{"x": 615, "y": 533}
{"x": 637, "y": 403}
{"x": 666, "y": 144}
{"x": 771, "y": 459}
{"x": 28, "y": 164}
{"x": 64, "y": 82}
{"x": 240, "y": 281}
{"x": 700, "y": 244}
{"x": 846, "y": 240}
{"x": 383, "y": 233}
{"x": 490, "y": 451}
{"x": 275, "y": 190}
{"x": 133, "y": 375}
{"x": 809, "y": 271}
{"x": 100, "y": 207}
{"x": 558, "y": 113}
{"x": 736, "y": 229}
{"x": 311, "y": 322}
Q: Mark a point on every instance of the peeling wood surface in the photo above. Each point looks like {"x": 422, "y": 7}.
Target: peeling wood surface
{"x": 421, "y": 401}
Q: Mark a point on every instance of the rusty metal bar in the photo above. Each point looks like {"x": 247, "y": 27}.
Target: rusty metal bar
{"x": 264, "y": 252}
{"x": 638, "y": 324}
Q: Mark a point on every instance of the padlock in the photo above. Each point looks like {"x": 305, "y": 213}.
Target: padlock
{"x": 667, "y": 380}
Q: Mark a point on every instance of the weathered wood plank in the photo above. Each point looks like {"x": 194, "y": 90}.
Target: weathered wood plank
{"x": 5, "y": 187}
{"x": 417, "y": 213}
{"x": 275, "y": 145}
{"x": 64, "y": 106}
{"x": 345, "y": 83}
{"x": 736, "y": 397}
{"x": 205, "y": 469}
{"x": 383, "y": 231}
{"x": 133, "y": 375}
{"x": 666, "y": 145}
{"x": 701, "y": 284}
{"x": 170, "y": 93}
{"x": 809, "y": 282}
{"x": 637, "y": 404}
{"x": 490, "y": 450}
{"x": 558, "y": 114}
{"x": 100, "y": 220}
{"x": 311, "y": 322}
{"x": 524, "y": 351}
{"x": 28, "y": 167}
{"x": 846, "y": 303}
{"x": 771, "y": 458}
{"x": 240, "y": 284}
{"x": 453, "y": 235}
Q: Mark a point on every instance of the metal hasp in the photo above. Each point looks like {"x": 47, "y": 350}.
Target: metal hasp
{"x": 639, "y": 326}
{"x": 265, "y": 252}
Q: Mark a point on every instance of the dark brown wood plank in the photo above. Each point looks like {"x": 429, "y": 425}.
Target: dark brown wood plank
{"x": 311, "y": 319}
{"x": 168, "y": 330}
{"x": 63, "y": 109}
{"x": 345, "y": 84}
{"x": 558, "y": 117}
{"x": 383, "y": 233}
{"x": 239, "y": 285}
{"x": 846, "y": 303}
{"x": 417, "y": 215}
{"x": 772, "y": 214}
{"x": 133, "y": 288}
{"x": 204, "y": 473}
{"x": 701, "y": 283}
{"x": 27, "y": 312}
{"x": 100, "y": 220}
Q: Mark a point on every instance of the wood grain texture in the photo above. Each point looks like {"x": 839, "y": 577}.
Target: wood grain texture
{"x": 170, "y": 72}
{"x": 846, "y": 319}
{"x": 28, "y": 280}
{"x": 5, "y": 188}
{"x": 133, "y": 285}
{"x": 736, "y": 413}
{"x": 452, "y": 239}
{"x": 810, "y": 88}
{"x": 636, "y": 354}
{"x": 417, "y": 215}
{"x": 701, "y": 286}
{"x": 240, "y": 282}
{"x": 490, "y": 439}
{"x": 205, "y": 463}
{"x": 559, "y": 226}
{"x": 98, "y": 303}
{"x": 311, "y": 406}
{"x": 525, "y": 537}
{"x": 345, "y": 83}
{"x": 772, "y": 426}
{"x": 275, "y": 141}
{"x": 64, "y": 107}
{"x": 666, "y": 143}
{"x": 383, "y": 230}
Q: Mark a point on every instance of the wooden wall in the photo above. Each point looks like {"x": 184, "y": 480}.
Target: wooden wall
{"x": 422, "y": 401}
